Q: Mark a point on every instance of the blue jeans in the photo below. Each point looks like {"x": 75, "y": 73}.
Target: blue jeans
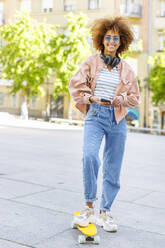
{"x": 100, "y": 121}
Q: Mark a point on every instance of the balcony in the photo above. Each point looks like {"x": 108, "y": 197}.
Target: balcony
{"x": 46, "y": 10}
{"x": 159, "y": 22}
{"x": 69, "y": 7}
{"x": 93, "y": 4}
{"x": 131, "y": 10}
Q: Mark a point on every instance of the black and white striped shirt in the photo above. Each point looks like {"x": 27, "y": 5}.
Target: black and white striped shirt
{"x": 107, "y": 83}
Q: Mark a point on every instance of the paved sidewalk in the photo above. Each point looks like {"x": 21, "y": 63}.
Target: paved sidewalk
{"x": 41, "y": 186}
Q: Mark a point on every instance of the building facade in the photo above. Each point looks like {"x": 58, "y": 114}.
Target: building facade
{"x": 157, "y": 44}
{"x": 148, "y": 27}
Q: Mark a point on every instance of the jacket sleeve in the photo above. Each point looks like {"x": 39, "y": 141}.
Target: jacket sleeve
{"x": 78, "y": 85}
{"x": 132, "y": 97}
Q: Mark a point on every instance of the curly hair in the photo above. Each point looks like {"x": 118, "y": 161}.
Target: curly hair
{"x": 119, "y": 24}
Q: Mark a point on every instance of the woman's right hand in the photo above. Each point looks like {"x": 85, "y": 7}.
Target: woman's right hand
{"x": 97, "y": 100}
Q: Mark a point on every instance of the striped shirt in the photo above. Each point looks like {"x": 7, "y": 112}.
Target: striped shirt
{"x": 107, "y": 83}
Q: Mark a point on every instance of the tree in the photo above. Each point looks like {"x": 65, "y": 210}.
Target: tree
{"x": 33, "y": 51}
{"x": 156, "y": 78}
{"x": 21, "y": 54}
{"x": 69, "y": 50}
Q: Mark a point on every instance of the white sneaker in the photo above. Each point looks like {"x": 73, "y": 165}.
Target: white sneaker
{"x": 106, "y": 221}
{"x": 85, "y": 217}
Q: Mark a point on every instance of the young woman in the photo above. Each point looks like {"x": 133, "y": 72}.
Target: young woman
{"x": 102, "y": 89}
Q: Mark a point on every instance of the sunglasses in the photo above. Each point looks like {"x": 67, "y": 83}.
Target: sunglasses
{"x": 108, "y": 38}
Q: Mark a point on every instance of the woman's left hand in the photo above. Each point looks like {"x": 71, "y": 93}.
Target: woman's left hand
{"x": 117, "y": 101}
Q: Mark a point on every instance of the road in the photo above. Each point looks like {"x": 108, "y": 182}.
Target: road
{"x": 41, "y": 186}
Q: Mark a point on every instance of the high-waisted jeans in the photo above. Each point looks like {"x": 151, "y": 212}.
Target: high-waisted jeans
{"x": 99, "y": 122}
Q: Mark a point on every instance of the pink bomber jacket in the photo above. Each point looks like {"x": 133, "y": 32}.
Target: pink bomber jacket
{"x": 83, "y": 83}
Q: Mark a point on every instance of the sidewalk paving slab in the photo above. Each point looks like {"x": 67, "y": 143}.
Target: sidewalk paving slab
{"x": 154, "y": 199}
{"x": 11, "y": 244}
{"x": 139, "y": 216}
{"x": 125, "y": 238}
{"x": 28, "y": 224}
{"x": 11, "y": 189}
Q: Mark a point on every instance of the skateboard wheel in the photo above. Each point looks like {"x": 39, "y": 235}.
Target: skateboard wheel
{"x": 73, "y": 225}
{"x": 96, "y": 240}
{"x": 81, "y": 239}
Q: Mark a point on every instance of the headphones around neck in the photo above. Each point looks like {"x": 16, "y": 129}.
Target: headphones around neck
{"x": 108, "y": 60}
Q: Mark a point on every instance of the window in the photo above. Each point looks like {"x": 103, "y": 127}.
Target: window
{"x": 33, "y": 102}
{"x": 136, "y": 30}
{"x": 14, "y": 101}
{"x": 93, "y": 4}
{"x": 2, "y": 99}
{"x": 162, "y": 41}
{"x": 69, "y": 5}
{"x": 26, "y": 5}
{"x": 2, "y": 21}
{"x": 131, "y": 7}
{"x": 162, "y": 8}
{"x": 155, "y": 115}
{"x": 57, "y": 106}
{"x": 47, "y": 6}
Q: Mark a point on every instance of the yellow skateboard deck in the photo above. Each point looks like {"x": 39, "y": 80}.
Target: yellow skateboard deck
{"x": 89, "y": 232}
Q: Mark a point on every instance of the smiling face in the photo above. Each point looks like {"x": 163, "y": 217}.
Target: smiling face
{"x": 111, "y": 42}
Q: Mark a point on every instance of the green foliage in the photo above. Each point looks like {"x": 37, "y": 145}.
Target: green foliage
{"x": 156, "y": 79}
{"x": 68, "y": 50}
{"x": 21, "y": 55}
{"x": 33, "y": 51}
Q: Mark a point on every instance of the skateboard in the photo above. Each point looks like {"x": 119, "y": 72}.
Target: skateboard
{"x": 89, "y": 232}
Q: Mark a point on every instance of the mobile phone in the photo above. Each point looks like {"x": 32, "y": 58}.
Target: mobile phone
{"x": 105, "y": 100}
